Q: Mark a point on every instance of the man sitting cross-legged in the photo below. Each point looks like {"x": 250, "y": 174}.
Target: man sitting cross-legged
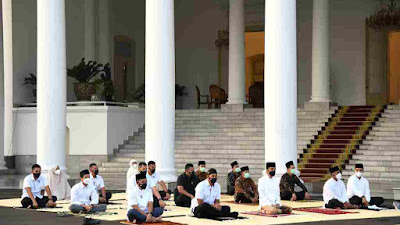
{"x": 98, "y": 183}
{"x": 33, "y": 190}
{"x": 334, "y": 192}
{"x": 140, "y": 203}
{"x": 84, "y": 197}
{"x": 288, "y": 182}
{"x": 232, "y": 177}
{"x": 358, "y": 190}
{"x": 206, "y": 203}
{"x": 245, "y": 188}
{"x": 201, "y": 171}
{"x": 153, "y": 178}
{"x": 268, "y": 188}
{"x": 185, "y": 187}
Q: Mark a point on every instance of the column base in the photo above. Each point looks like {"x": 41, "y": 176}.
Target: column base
{"x": 232, "y": 107}
{"x": 317, "y": 106}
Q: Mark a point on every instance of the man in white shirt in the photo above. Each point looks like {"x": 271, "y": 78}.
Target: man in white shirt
{"x": 84, "y": 197}
{"x": 153, "y": 178}
{"x": 334, "y": 192}
{"x": 98, "y": 182}
{"x": 206, "y": 203}
{"x": 358, "y": 190}
{"x": 33, "y": 190}
{"x": 268, "y": 190}
{"x": 140, "y": 203}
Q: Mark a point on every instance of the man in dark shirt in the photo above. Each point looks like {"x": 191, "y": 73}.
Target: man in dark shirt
{"x": 185, "y": 187}
{"x": 245, "y": 189}
{"x": 231, "y": 178}
{"x": 288, "y": 182}
{"x": 201, "y": 172}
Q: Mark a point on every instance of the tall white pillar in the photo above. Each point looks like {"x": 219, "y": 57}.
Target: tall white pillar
{"x": 320, "y": 52}
{"x": 280, "y": 84}
{"x": 90, "y": 30}
{"x": 51, "y": 83}
{"x": 8, "y": 76}
{"x": 237, "y": 66}
{"x": 104, "y": 32}
{"x": 160, "y": 86}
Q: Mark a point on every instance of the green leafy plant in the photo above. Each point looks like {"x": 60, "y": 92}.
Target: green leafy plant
{"x": 139, "y": 94}
{"x": 31, "y": 80}
{"x": 84, "y": 72}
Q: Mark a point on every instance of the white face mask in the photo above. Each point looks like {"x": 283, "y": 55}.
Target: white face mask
{"x": 359, "y": 174}
{"x": 135, "y": 166}
{"x": 86, "y": 181}
{"x": 339, "y": 176}
{"x": 58, "y": 172}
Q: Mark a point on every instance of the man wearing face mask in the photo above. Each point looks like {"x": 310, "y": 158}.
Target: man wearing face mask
{"x": 185, "y": 187}
{"x": 334, "y": 192}
{"x": 98, "y": 182}
{"x": 140, "y": 203}
{"x": 288, "y": 182}
{"x": 245, "y": 188}
{"x": 232, "y": 177}
{"x": 206, "y": 203}
{"x": 358, "y": 190}
{"x": 33, "y": 190}
{"x": 84, "y": 197}
{"x": 268, "y": 188}
{"x": 153, "y": 178}
{"x": 201, "y": 171}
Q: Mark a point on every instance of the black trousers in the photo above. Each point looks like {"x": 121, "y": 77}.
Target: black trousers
{"x": 207, "y": 211}
{"x": 156, "y": 203}
{"x": 241, "y": 198}
{"x": 355, "y": 200}
{"x": 26, "y": 202}
{"x": 287, "y": 195}
{"x": 108, "y": 196}
{"x": 231, "y": 191}
{"x": 334, "y": 203}
{"x": 182, "y": 200}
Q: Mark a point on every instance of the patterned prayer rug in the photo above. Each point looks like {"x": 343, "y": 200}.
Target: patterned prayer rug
{"x": 324, "y": 211}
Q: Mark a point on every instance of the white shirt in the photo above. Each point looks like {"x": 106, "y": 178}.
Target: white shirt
{"x": 97, "y": 182}
{"x": 36, "y": 186}
{"x": 268, "y": 189}
{"x": 139, "y": 197}
{"x": 207, "y": 193}
{"x": 81, "y": 194}
{"x": 358, "y": 187}
{"x": 152, "y": 180}
{"x": 334, "y": 190}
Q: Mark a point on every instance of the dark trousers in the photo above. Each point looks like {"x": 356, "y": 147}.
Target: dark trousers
{"x": 231, "y": 191}
{"x": 182, "y": 200}
{"x": 133, "y": 214}
{"x": 287, "y": 195}
{"x": 26, "y": 202}
{"x": 334, "y": 203}
{"x": 156, "y": 203}
{"x": 207, "y": 211}
{"x": 108, "y": 196}
{"x": 241, "y": 198}
{"x": 355, "y": 200}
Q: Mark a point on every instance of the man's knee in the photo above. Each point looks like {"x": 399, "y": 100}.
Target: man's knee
{"x": 108, "y": 195}
{"x": 157, "y": 212}
{"x": 75, "y": 208}
{"x": 25, "y": 202}
{"x": 54, "y": 198}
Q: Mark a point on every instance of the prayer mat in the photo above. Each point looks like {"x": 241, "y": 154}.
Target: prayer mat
{"x": 230, "y": 218}
{"x": 323, "y": 211}
{"x": 233, "y": 202}
{"x": 162, "y": 223}
{"x": 258, "y": 213}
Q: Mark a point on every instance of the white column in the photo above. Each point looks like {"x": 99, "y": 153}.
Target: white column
{"x": 90, "y": 30}
{"x": 237, "y": 67}
{"x": 320, "y": 52}
{"x": 8, "y": 76}
{"x": 160, "y": 86}
{"x": 104, "y": 33}
{"x": 280, "y": 83}
{"x": 51, "y": 83}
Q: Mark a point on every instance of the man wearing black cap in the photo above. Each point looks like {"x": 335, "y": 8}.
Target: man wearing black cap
{"x": 268, "y": 188}
{"x": 245, "y": 188}
{"x": 358, "y": 190}
{"x": 140, "y": 203}
{"x": 334, "y": 192}
{"x": 206, "y": 203}
{"x": 288, "y": 181}
{"x": 231, "y": 178}
{"x": 185, "y": 187}
{"x": 201, "y": 171}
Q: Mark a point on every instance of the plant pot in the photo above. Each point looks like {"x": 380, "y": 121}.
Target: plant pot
{"x": 84, "y": 91}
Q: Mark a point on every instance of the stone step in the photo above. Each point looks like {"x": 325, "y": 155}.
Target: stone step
{"x": 379, "y": 148}
{"x": 384, "y": 133}
{"x": 383, "y": 138}
{"x": 376, "y": 154}
{"x": 381, "y": 158}
{"x": 370, "y": 162}
{"x": 388, "y": 129}
{"x": 381, "y": 143}
{"x": 219, "y": 147}
{"x": 388, "y": 124}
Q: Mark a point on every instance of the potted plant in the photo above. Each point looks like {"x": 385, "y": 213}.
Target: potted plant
{"x": 31, "y": 80}
{"x": 83, "y": 73}
{"x": 104, "y": 86}
{"x": 139, "y": 95}
{"x": 179, "y": 93}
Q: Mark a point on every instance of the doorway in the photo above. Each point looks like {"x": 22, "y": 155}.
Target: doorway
{"x": 124, "y": 68}
{"x": 254, "y": 48}
{"x": 393, "y": 75}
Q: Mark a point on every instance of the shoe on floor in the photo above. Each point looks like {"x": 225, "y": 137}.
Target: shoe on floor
{"x": 90, "y": 221}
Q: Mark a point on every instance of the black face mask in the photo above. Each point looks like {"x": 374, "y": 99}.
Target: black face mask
{"x": 272, "y": 173}
{"x": 143, "y": 186}
{"x": 96, "y": 172}
{"x": 36, "y": 175}
{"x": 213, "y": 180}
{"x": 153, "y": 170}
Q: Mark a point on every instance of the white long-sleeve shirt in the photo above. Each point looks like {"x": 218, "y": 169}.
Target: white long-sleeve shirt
{"x": 268, "y": 189}
{"x": 358, "y": 187}
{"x": 334, "y": 189}
{"x": 81, "y": 194}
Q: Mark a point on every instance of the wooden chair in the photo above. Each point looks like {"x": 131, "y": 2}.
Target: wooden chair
{"x": 256, "y": 95}
{"x": 218, "y": 96}
{"x": 199, "y": 96}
